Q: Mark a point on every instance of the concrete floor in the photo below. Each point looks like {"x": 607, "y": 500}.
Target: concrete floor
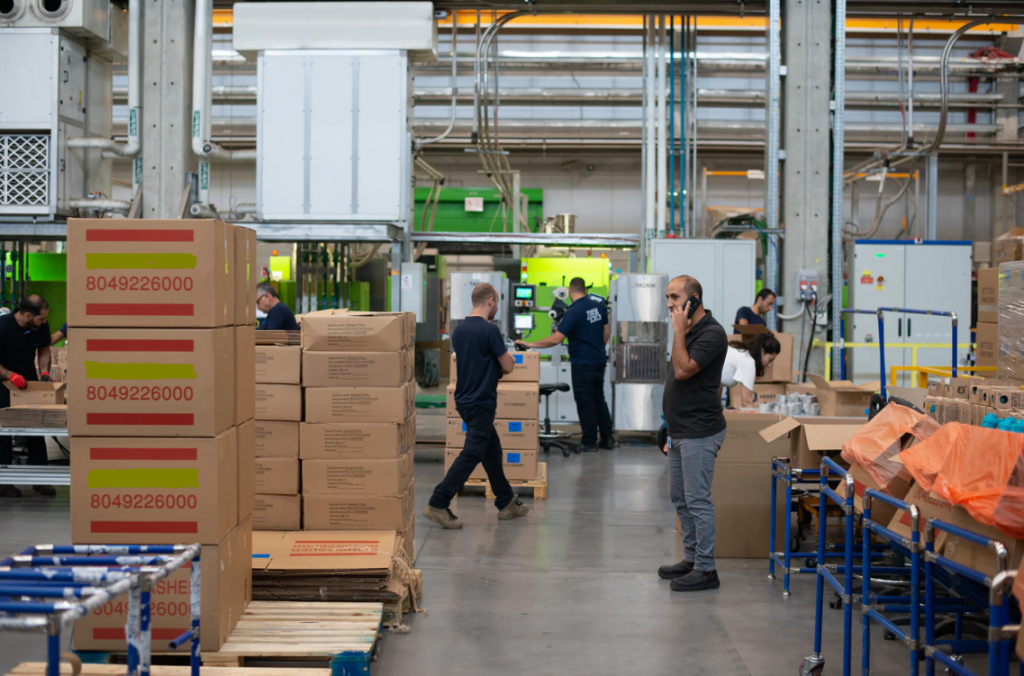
{"x": 570, "y": 589}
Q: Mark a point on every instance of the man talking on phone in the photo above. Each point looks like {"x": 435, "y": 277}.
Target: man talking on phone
{"x": 696, "y": 429}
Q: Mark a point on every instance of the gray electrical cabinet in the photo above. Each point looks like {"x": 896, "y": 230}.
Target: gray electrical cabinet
{"x": 933, "y": 275}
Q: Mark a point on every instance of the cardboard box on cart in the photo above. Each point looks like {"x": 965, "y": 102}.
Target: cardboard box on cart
{"x": 812, "y": 438}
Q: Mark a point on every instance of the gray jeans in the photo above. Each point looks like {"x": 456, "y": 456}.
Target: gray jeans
{"x": 691, "y": 468}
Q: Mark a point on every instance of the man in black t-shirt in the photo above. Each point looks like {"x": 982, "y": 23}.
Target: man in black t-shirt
{"x": 481, "y": 359}
{"x": 763, "y": 304}
{"x": 24, "y": 343}
{"x": 279, "y": 316}
{"x": 696, "y": 428}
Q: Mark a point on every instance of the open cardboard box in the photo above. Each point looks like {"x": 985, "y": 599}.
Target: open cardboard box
{"x": 812, "y": 438}
{"x": 780, "y": 370}
{"x": 37, "y": 393}
{"x": 842, "y": 397}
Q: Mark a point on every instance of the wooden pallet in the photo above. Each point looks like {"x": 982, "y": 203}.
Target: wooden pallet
{"x": 39, "y": 669}
{"x": 339, "y": 635}
{"x": 539, "y": 485}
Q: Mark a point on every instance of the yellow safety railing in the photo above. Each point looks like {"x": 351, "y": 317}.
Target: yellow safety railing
{"x": 913, "y": 347}
{"x": 924, "y": 371}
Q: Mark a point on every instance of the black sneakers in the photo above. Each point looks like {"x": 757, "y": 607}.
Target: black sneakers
{"x": 675, "y": 570}
{"x": 696, "y": 580}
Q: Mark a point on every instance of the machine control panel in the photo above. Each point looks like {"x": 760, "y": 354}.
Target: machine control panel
{"x": 524, "y": 296}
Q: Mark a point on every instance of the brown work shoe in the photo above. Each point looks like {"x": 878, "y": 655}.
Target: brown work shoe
{"x": 512, "y": 510}
{"x": 444, "y": 518}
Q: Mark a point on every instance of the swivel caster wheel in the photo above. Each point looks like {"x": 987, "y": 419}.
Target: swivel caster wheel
{"x": 835, "y": 602}
{"x": 565, "y": 452}
{"x": 811, "y": 562}
{"x": 813, "y": 665}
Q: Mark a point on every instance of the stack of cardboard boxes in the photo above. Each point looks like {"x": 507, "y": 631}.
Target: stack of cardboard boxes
{"x": 987, "y": 330}
{"x": 968, "y": 400}
{"x": 162, "y": 432}
{"x": 356, "y": 441}
{"x": 278, "y": 415}
{"x": 515, "y": 419}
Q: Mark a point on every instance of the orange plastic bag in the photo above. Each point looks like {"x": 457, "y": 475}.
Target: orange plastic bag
{"x": 925, "y": 460}
{"x": 882, "y": 438}
{"x": 1009, "y": 515}
{"x": 976, "y": 475}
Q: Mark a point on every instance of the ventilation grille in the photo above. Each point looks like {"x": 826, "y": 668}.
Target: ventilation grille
{"x": 24, "y": 170}
{"x": 641, "y": 363}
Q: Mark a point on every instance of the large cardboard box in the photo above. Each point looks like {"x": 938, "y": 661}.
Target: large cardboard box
{"x": 276, "y": 439}
{"x": 516, "y": 401}
{"x": 226, "y": 588}
{"x": 348, "y": 331}
{"x": 278, "y": 402}
{"x": 246, "y": 468}
{"x": 1008, "y": 247}
{"x": 37, "y": 393}
{"x": 518, "y": 465}
{"x": 988, "y": 295}
{"x": 277, "y": 512}
{"x": 353, "y": 441}
{"x": 840, "y": 398}
{"x": 357, "y": 512}
{"x": 987, "y": 340}
{"x": 246, "y": 274}
{"x": 277, "y": 476}
{"x": 157, "y": 491}
{"x": 324, "y": 550}
{"x": 245, "y": 373}
{"x": 357, "y": 369}
{"x": 781, "y": 370}
{"x": 763, "y": 392}
{"x": 526, "y": 368}
{"x": 360, "y": 404}
{"x": 357, "y": 477}
{"x": 279, "y": 364}
{"x": 150, "y": 273}
{"x": 152, "y": 382}
{"x": 515, "y": 435}
{"x": 813, "y": 438}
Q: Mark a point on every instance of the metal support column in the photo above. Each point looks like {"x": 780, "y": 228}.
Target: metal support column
{"x": 167, "y": 102}
{"x": 838, "y": 104}
{"x": 772, "y": 149}
{"x": 932, "y": 197}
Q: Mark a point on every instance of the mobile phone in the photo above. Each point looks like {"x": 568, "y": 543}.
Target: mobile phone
{"x": 694, "y": 302}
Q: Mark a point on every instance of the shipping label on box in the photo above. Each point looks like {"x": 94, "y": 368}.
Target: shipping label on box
{"x": 245, "y": 273}
{"x": 516, "y": 401}
{"x": 277, "y": 512}
{"x": 152, "y": 382}
{"x": 357, "y": 477}
{"x": 349, "y": 331}
{"x": 37, "y": 393}
{"x": 246, "y": 468}
{"x": 525, "y": 369}
{"x": 517, "y": 465}
{"x": 280, "y": 364}
{"x": 360, "y": 404}
{"x": 356, "y": 369}
{"x": 277, "y": 439}
{"x": 277, "y": 476}
{"x": 226, "y": 587}
{"x": 158, "y": 491}
{"x": 245, "y": 373}
{"x": 352, "y": 512}
{"x": 988, "y": 295}
{"x": 513, "y": 434}
{"x": 278, "y": 402}
{"x": 351, "y": 441}
{"x": 150, "y": 273}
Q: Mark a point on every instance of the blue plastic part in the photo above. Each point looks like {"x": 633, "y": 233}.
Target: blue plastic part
{"x": 991, "y": 421}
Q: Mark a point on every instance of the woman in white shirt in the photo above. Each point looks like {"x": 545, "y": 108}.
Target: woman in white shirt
{"x": 745, "y": 362}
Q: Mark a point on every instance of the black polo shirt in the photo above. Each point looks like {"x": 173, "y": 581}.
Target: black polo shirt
{"x": 477, "y": 344}
{"x": 18, "y": 346}
{"x": 692, "y": 407}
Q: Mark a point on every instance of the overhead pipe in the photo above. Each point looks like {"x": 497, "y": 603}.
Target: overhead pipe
{"x": 944, "y": 82}
{"x": 650, "y": 125}
{"x": 99, "y": 204}
{"x": 133, "y": 146}
{"x": 455, "y": 88}
{"x": 662, "y": 149}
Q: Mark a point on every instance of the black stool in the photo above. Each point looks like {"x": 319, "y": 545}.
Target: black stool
{"x": 549, "y": 439}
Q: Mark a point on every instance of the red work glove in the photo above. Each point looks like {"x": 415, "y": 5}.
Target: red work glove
{"x": 18, "y": 381}
{"x": 44, "y": 377}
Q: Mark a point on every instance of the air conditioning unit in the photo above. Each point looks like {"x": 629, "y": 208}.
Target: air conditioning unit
{"x": 84, "y": 18}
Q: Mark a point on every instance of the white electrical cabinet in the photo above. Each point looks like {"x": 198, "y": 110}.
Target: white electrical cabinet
{"x": 725, "y": 268}
{"x": 333, "y": 135}
{"x": 933, "y": 275}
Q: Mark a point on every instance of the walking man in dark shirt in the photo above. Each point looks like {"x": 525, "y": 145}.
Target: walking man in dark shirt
{"x": 696, "y": 428}
{"x": 24, "y": 342}
{"x": 279, "y": 316}
{"x": 481, "y": 359}
{"x": 763, "y": 304}
{"x": 585, "y": 324}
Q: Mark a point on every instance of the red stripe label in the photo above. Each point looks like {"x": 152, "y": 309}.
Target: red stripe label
{"x": 101, "y": 345}
{"x": 339, "y": 554}
{"x": 177, "y": 419}
{"x": 145, "y": 527}
{"x": 143, "y": 454}
{"x": 107, "y": 235}
{"x": 140, "y": 309}
{"x": 117, "y": 633}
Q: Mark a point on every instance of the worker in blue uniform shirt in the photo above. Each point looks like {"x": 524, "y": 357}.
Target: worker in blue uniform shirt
{"x": 279, "y": 316}
{"x": 763, "y": 304}
{"x": 586, "y": 326}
